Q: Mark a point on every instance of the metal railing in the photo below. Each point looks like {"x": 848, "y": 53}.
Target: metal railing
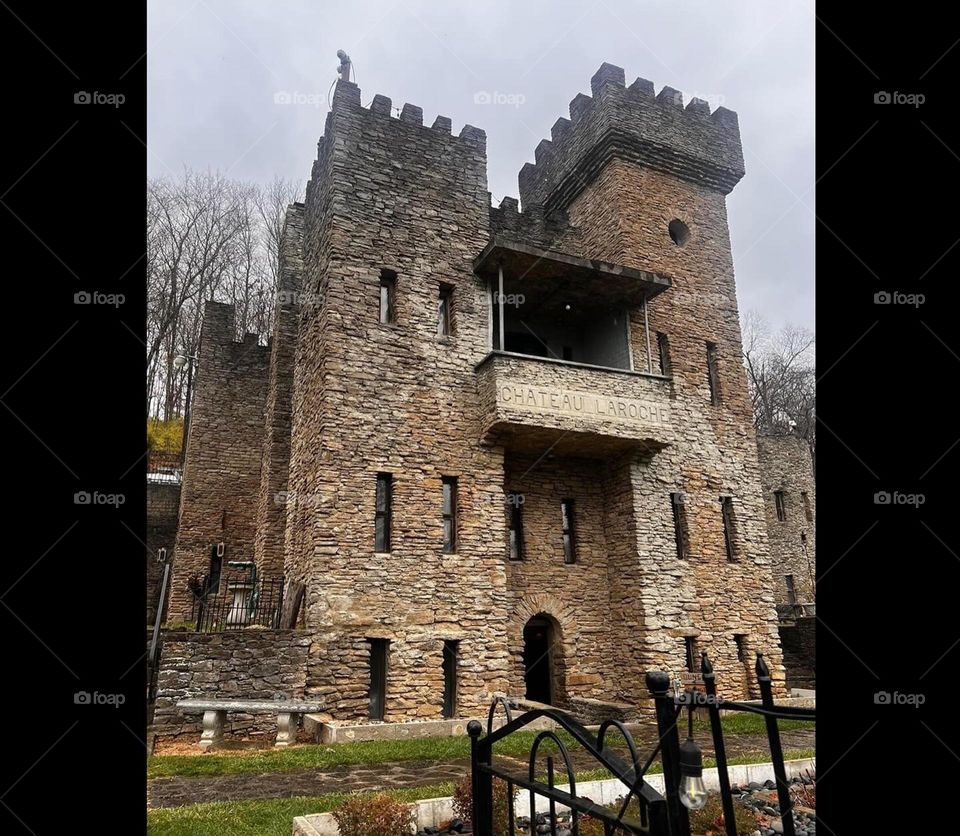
{"x": 659, "y": 815}
{"x": 237, "y": 602}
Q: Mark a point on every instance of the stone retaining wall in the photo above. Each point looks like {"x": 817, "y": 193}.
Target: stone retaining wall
{"x": 246, "y": 664}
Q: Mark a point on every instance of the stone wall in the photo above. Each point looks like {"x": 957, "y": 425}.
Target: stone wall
{"x": 273, "y": 496}
{"x": 786, "y": 465}
{"x": 222, "y": 468}
{"x": 163, "y": 504}
{"x": 799, "y": 640}
{"x": 244, "y": 664}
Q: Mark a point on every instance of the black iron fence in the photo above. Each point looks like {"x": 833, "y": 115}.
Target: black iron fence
{"x": 657, "y": 814}
{"x": 235, "y": 601}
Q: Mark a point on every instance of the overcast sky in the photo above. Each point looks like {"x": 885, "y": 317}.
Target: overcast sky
{"x": 219, "y": 70}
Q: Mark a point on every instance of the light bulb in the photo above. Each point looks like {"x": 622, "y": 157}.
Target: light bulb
{"x": 693, "y": 793}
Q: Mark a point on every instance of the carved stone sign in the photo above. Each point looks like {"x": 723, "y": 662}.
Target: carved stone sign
{"x": 538, "y": 398}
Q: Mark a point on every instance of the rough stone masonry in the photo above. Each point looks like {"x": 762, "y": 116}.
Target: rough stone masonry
{"x": 518, "y": 439}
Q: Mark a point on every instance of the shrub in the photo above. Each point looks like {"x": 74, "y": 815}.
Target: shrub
{"x": 709, "y": 819}
{"x": 463, "y": 803}
{"x": 165, "y": 436}
{"x": 373, "y": 815}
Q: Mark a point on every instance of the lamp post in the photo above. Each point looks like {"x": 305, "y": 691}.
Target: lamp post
{"x": 179, "y": 362}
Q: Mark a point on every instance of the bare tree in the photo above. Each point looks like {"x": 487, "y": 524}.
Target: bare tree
{"x": 781, "y": 377}
{"x": 207, "y": 238}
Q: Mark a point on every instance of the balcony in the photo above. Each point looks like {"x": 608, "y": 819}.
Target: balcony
{"x": 535, "y": 404}
{"x": 560, "y": 374}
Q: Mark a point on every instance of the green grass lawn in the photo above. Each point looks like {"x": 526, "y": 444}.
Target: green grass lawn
{"x": 274, "y": 816}
{"x": 320, "y": 756}
{"x": 750, "y": 724}
{"x": 268, "y": 817}
{"x": 260, "y": 761}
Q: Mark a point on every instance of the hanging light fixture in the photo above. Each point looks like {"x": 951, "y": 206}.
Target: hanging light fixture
{"x": 693, "y": 792}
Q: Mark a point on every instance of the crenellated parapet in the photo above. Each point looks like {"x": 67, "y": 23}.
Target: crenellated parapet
{"x": 632, "y": 123}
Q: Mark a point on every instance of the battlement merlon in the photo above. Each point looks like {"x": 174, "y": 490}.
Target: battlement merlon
{"x": 632, "y": 123}
{"x": 346, "y": 97}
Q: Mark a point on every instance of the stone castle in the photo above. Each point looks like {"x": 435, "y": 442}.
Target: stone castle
{"x": 502, "y": 451}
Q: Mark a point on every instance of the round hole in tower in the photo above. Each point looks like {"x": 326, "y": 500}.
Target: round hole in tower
{"x": 679, "y": 232}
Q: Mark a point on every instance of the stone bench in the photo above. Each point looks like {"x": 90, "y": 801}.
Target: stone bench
{"x": 215, "y": 712}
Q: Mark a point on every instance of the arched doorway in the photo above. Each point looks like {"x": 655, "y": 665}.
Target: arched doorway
{"x": 539, "y": 663}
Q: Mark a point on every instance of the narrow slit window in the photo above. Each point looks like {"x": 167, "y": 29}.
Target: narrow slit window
{"x": 451, "y": 651}
{"x": 729, "y": 526}
{"x": 569, "y": 543}
{"x": 378, "y": 677}
{"x": 740, "y": 641}
{"x": 445, "y": 311}
{"x": 713, "y": 378}
{"x": 388, "y": 296}
{"x": 807, "y": 507}
{"x": 791, "y": 590}
{"x": 383, "y": 512}
{"x": 515, "y": 507}
{"x": 449, "y": 514}
{"x": 680, "y": 524}
{"x": 663, "y": 351}
{"x": 781, "y": 506}
{"x": 690, "y": 653}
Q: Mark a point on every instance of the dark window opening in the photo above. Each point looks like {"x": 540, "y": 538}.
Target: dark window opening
{"x": 378, "y": 677}
{"x": 215, "y": 569}
{"x": 729, "y": 526}
{"x": 663, "y": 350}
{"x": 569, "y": 545}
{"x": 679, "y": 232}
{"x": 713, "y": 377}
{"x": 451, "y": 650}
{"x": 791, "y": 590}
{"x": 383, "y": 511}
{"x": 740, "y": 641}
{"x": 388, "y": 293}
{"x": 781, "y": 507}
{"x": 445, "y": 311}
{"x": 449, "y": 514}
{"x": 561, "y": 321}
{"x": 680, "y": 524}
{"x": 807, "y": 507}
{"x": 516, "y": 527}
{"x": 690, "y": 653}
{"x": 538, "y": 646}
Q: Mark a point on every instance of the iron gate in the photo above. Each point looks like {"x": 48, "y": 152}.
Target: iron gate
{"x": 659, "y": 815}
